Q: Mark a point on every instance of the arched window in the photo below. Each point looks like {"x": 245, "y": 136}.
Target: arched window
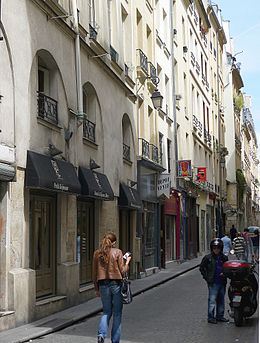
{"x": 91, "y": 109}
{"x": 126, "y": 130}
{"x": 47, "y": 87}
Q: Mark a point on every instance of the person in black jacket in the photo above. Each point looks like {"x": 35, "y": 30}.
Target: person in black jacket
{"x": 211, "y": 268}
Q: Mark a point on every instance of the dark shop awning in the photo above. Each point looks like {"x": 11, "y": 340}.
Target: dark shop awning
{"x": 47, "y": 173}
{"x": 129, "y": 198}
{"x": 95, "y": 185}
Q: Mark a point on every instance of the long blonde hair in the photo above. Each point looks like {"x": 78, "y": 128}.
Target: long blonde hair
{"x": 106, "y": 245}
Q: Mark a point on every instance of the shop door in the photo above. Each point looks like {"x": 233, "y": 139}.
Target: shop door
{"x": 85, "y": 240}
{"x": 43, "y": 243}
{"x": 125, "y": 230}
{"x": 169, "y": 238}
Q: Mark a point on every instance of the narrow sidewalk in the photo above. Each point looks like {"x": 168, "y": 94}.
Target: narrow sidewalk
{"x": 74, "y": 314}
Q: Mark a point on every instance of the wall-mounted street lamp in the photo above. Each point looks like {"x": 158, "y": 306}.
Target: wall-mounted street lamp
{"x": 93, "y": 165}
{"x": 156, "y": 97}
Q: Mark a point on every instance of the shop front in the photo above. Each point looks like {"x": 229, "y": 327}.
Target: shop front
{"x": 149, "y": 220}
{"x": 50, "y": 182}
{"x": 171, "y": 227}
{"x": 95, "y": 188}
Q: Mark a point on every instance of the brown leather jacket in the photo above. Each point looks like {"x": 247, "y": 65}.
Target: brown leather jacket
{"x": 113, "y": 270}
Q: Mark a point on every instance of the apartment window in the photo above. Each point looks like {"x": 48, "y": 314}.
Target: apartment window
{"x": 47, "y": 104}
{"x": 92, "y": 13}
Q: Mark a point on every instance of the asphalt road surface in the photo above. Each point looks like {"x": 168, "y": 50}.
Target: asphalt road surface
{"x": 174, "y": 312}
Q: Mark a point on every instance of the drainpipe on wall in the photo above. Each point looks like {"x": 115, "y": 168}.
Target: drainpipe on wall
{"x": 178, "y": 244}
{"x": 78, "y": 71}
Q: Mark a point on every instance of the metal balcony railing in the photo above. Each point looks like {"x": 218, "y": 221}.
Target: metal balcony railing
{"x": 114, "y": 54}
{"x": 92, "y": 32}
{"x": 197, "y": 125}
{"x": 89, "y": 130}
{"x": 47, "y": 108}
{"x": 145, "y": 148}
{"x": 126, "y": 152}
{"x": 143, "y": 61}
{"x": 152, "y": 73}
{"x": 155, "y": 153}
{"x": 149, "y": 151}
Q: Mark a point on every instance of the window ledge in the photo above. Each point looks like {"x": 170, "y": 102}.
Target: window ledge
{"x": 127, "y": 162}
{"x": 49, "y": 125}
{"x": 86, "y": 288}
{"x": 50, "y": 300}
{"x": 90, "y": 143}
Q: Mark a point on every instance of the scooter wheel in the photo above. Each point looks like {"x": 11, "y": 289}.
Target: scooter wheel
{"x": 238, "y": 316}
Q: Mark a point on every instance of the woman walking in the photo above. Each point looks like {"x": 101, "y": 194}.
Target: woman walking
{"x": 108, "y": 268}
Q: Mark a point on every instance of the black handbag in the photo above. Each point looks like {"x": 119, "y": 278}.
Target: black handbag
{"x": 126, "y": 292}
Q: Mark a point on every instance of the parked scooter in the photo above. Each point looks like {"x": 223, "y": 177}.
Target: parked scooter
{"x": 243, "y": 288}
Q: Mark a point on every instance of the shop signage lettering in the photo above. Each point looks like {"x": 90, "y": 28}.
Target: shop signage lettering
{"x": 163, "y": 185}
{"x": 60, "y": 187}
{"x": 101, "y": 194}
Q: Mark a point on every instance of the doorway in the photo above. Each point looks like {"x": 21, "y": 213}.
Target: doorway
{"x": 43, "y": 243}
{"x": 85, "y": 240}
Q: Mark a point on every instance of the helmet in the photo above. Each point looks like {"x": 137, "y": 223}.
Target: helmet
{"x": 216, "y": 242}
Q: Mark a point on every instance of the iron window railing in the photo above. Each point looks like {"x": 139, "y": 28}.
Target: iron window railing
{"x": 152, "y": 73}
{"x": 126, "y": 152}
{"x": 149, "y": 151}
{"x": 143, "y": 61}
{"x": 47, "y": 108}
{"x": 89, "y": 130}
{"x": 113, "y": 54}
{"x": 92, "y": 32}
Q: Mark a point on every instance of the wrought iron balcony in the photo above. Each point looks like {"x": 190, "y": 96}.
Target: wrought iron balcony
{"x": 197, "y": 125}
{"x": 126, "y": 152}
{"x": 47, "y": 108}
{"x": 192, "y": 56}
{"x": 143, "y": 61}
{"x": 153, "y": 73}
{"x": 155, "y": 153}
{"x": 92, "y": 32}
{"x": 113, "y": 54}
{"x": 149, "y": 151}
{"x": 89, "y": 130}
{"x": 207, "y": 137}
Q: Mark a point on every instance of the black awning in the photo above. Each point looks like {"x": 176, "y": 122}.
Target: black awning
{"x": 129, "y": 198}
{"x": 47, "y": 173}
{"x": 95, "y": 185}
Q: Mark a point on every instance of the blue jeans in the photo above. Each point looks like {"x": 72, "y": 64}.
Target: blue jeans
{"x": 111, "y": 298}
{"x": 216, "y": 301}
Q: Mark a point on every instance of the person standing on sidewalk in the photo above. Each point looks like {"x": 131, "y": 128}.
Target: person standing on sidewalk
{"x": 233, "y": 232}
{"x": 239, "y": 246}
{"x": 108, "y": 268}
{"x": 211, "y": 268}
{"x": 227, "y": 244}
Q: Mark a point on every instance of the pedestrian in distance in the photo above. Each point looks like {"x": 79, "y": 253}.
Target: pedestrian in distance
{"x": 233, "y": 232}
{"x": 239, "y": 247}
{"x": 211, "y": 268}
{"x": 255, "y": 240}
{"x": 108, "y": 269}
{"x": 227, "y": 244}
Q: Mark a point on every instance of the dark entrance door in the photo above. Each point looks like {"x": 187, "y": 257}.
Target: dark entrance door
{"x": 43, "y": 242}
{"x": 125, "y": 230}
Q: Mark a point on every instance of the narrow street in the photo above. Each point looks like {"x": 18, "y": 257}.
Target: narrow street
{"x": 173, "y": 312}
